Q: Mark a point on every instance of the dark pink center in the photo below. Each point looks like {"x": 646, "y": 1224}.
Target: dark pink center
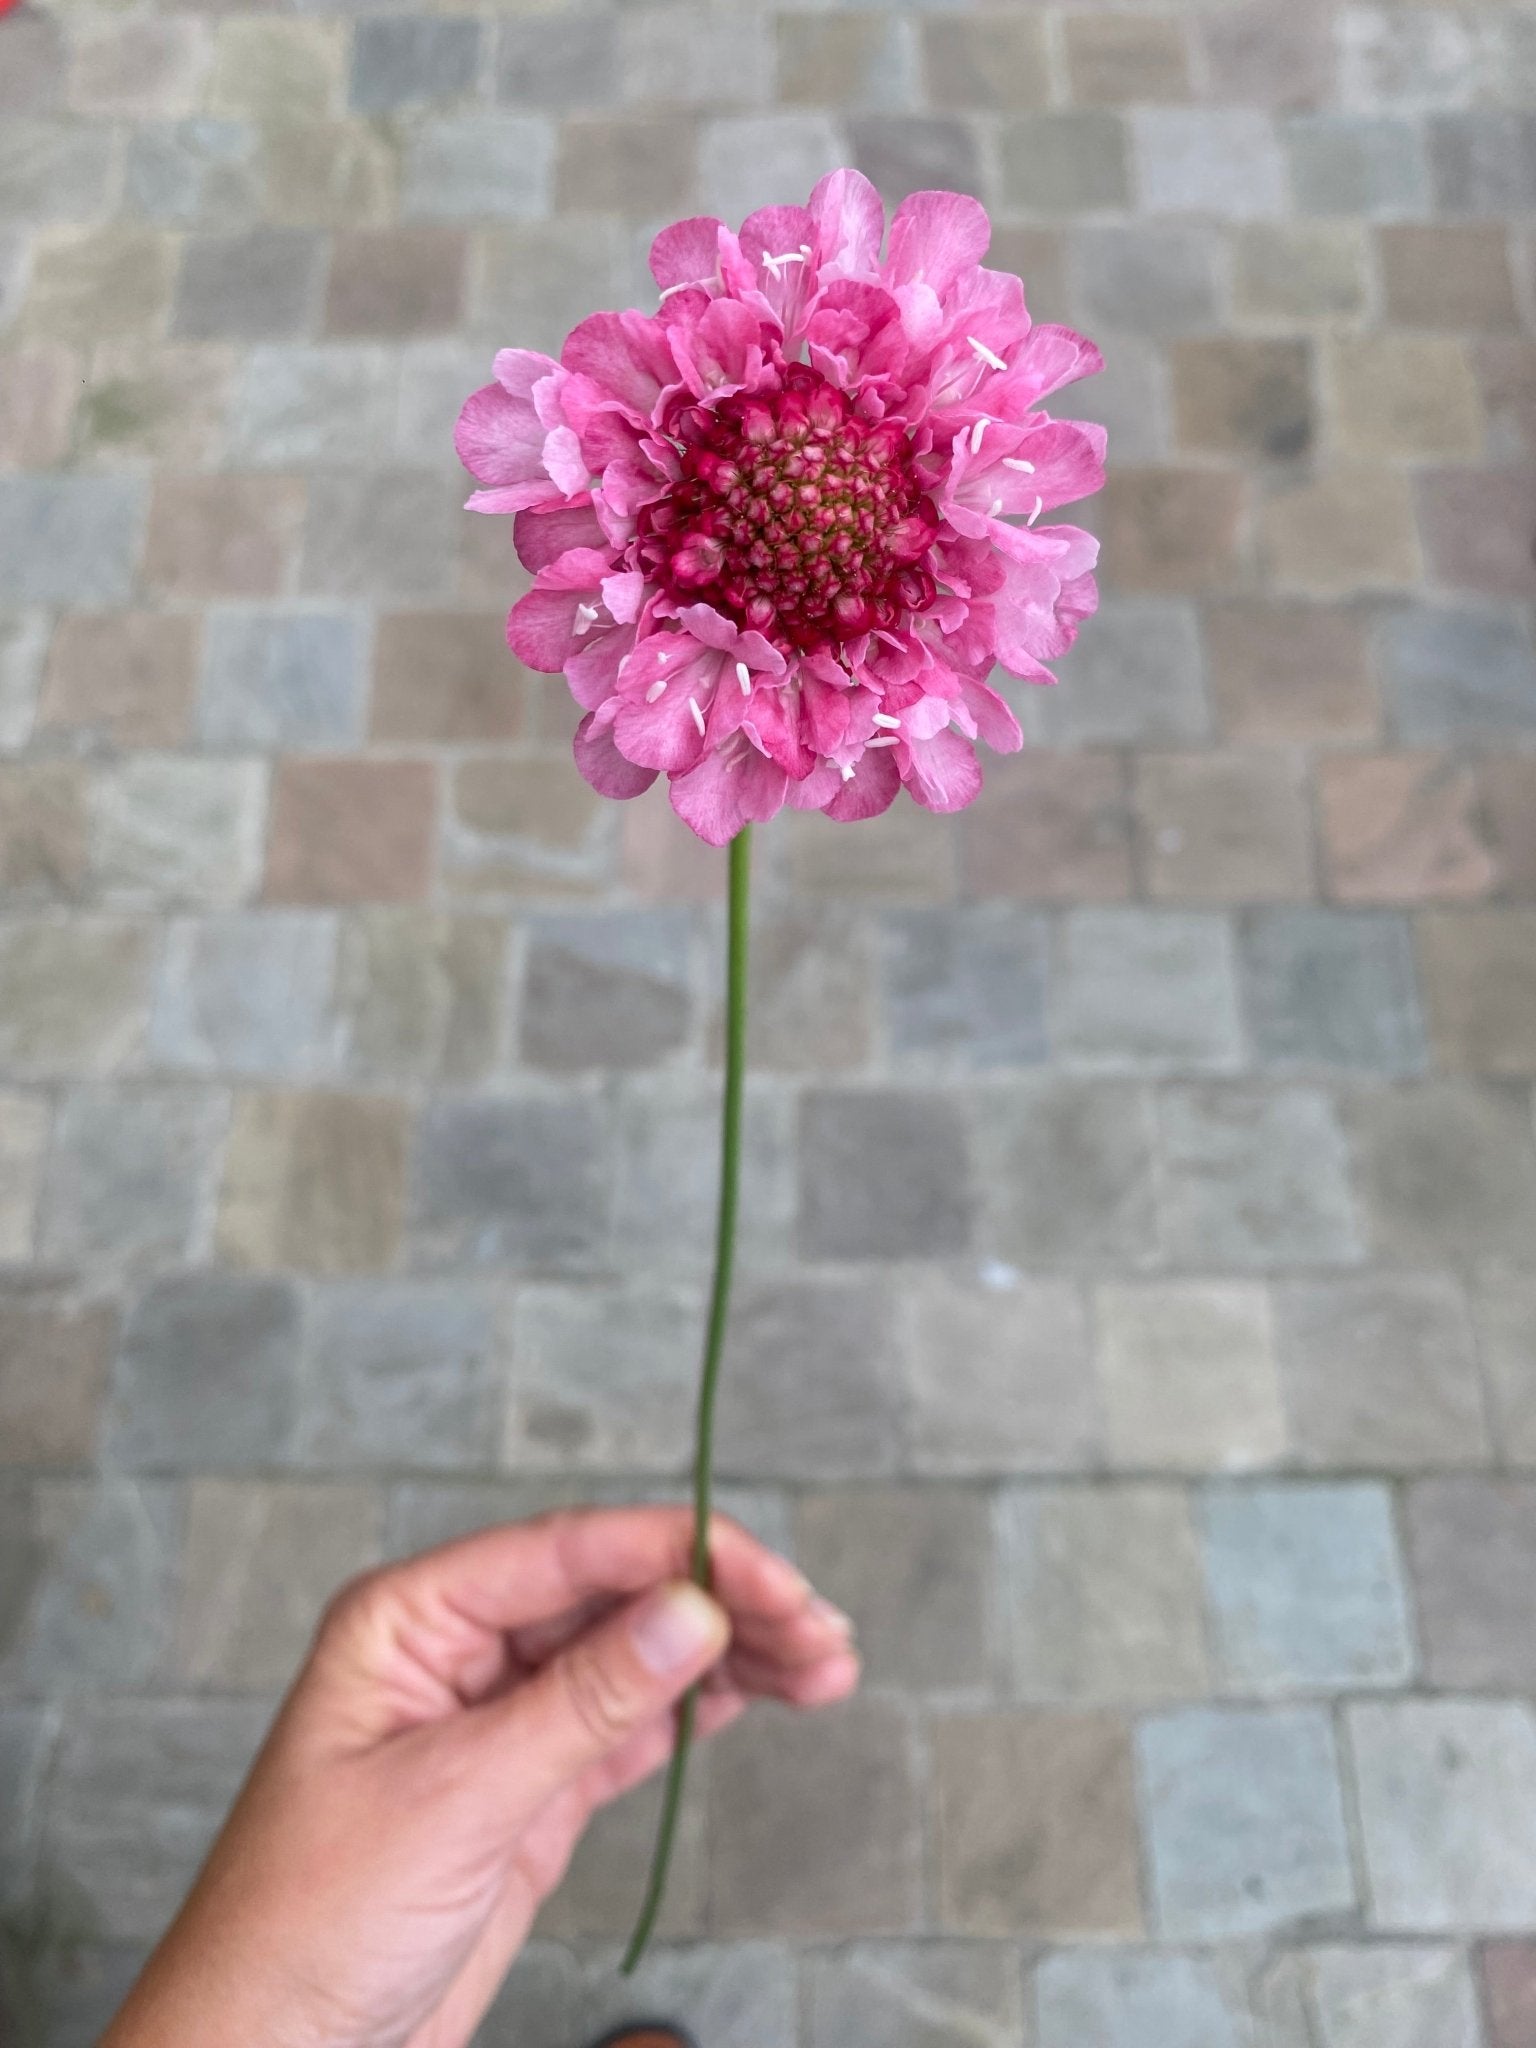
{"x": 793, "y": 516}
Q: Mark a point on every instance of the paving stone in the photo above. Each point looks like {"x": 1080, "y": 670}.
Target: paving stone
{"x": 1223, "y": 161}
{"x": 1235, "y": 395}
{"x": 1187, "y": 1376}
{"x": 1290, "y": 673}
{"x": 42, "y": 832}
{"x": 852, "y": 61}
{"x": 810, "y": 993}
{"x": 600, "y": 1378}
{"x": 1446, "y": 1795}
{"x": 527, "y": 826}
{"x": 261, "y": 1561}
{"x": 72, "y": 996}
{"x": 223, "y": 536}
{"x": 24, "y": 1121}
{"x": 1479, "y": 971}
{"x": 420, "y": 994}
{"x": 571, "y": 59}
{"x": 1357, "y": 164}
{"x": 154, "y": 401}
{"x": 519, "y": 1182}
{"x": 84, "y": 282}
{"x": 666, "y": 1174}
{"x": 781, "y": 1411}
{"x": 1035, "y": 1816}
{"x": 1380, "y": 1371}
{"x": 1255, "y": 1178}
{"x": 100, "y": 1620}
{"x": 883, "y": 1174}
{"x": 169, "y": 831}
{"x": 259, "y": 285}
{"x": 965, "y": 987}
{"x": 744, "y": 161}
{"x": 992, "y": 62}
{"x": 246, "y": 995}
{"x": 1476, "y": 525}
{"x": 1459, "y": 675}
{"x": 1065, "y": 163}
{"x": 596, "y": 1896}
{"x": 1408, "y": 60}
{"x": 406, "y": 60}
{"x": 139, "y": 67}
{"x": 740, "y": 1995}
{"x": 1298, "y": 270}
{"x": 349, "y": 831}
{"x": 694, "y": 54}
{"x": 1172, "y": 529}
{"x": 281, "y": 680}
{"x": 1050, "y": 827}
{"x": 331, "y": 173}
{"x": 1504, "y": 1308}
{"x": 1507, "y": 1975}
{"x": 1256, "y": 57}
{"x": 646, "y": 165}
{"x": 1120, "y": 60}
{"x": 478, "y": 166}
{"x": 913, "y": 1566}
{"x": 274, "y": 70}
{"x": 314, "y": 1181}
{"x": 605, "y": 992}
{"x": 1224, "y": 827}
{"x": 1445, "y": 1172}
{"x": 445, "y": 677}
{"x": 85, "y": 1997}
{"x": 814, "y": 1830}
{"x": 1156, "y": 278}
{"x": 1305, "y": 1588}
{"x": 1328, "y": 988}
{"x": 1102, "y": 1590}
{"x": 1403, "y": 396}
{"x": 37, "y": 403}
{"x": 1350, "y": 530}
{"x": 1066, "y": 1173}
{"x": 54, "y": 169}
{"x": 898, "y": 857}
{"x": 1136, "y": 990}
{"x": 905, "y": 153}
{"x": 1402, "y": 828}
{"x": 1470, "y": 1542}
{"x": 912, "y": 1995}
{"x": 310, "y": 406}
{"x": 140, "y": 1787}
{"x": 1137, "y": 678}
{"x": 1485, "y": 162}
{"x": 69, "y": 539}
{"x": 396, "y": 282}
{"x": 197, "y": 172}
{"x": 1128, "y": 399}
{"x": 1123, "y": 1998}
{"x": 130, "y": 1174}
{"x": 1444, "y": 274}
{"x": 381, "y": 534}
{"x": 1244, "y": 1820}
{"x": 207, "y": 1374}
{"x": 1507, "y": 785}
{"x": 55, "y": 1355}
{"x": 1025, "y": 1402}
{"x": 1408, "y": 1995}
{"x": 27, "y": 1736}
{"x": 36, "y": 63}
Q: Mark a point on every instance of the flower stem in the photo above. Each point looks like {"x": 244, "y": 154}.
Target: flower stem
{"x": 714, "y": 1348}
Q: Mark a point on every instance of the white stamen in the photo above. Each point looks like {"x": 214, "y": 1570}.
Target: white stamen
{"x": 888, "y": 739}
{"x": 994, "y": 508}
{"x": 1018, "y": 462}
{"x": 586, "y": 619}
{"x": 789, "y": 256}
{"x": 656, "y": 690}
{"x": 976, "y": 433}
{"x": 698, "y": 716}
{"x": 805, "y": 251}
{"x": 1039, "y": 508}
{"x": 845, "y": 769}
{"x": 987, "y": 355}
{"x": 744, "y": 677}
{"x": 688, "y": 285}
{"x": 661, "y": 655}
{"x": 891, "y": 724}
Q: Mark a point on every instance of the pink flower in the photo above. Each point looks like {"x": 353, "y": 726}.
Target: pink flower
{"x": 783, "y": 528}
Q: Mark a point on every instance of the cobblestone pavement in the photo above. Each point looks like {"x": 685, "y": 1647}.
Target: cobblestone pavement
{"x": 1139, "y": 1323}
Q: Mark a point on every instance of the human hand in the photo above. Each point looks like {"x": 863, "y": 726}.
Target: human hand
{"x": 459, "y": 1719}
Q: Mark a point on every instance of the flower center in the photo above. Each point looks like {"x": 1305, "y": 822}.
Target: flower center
{"x": 793, "y": 515}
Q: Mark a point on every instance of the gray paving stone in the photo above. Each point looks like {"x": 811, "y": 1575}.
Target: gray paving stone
{"x": 1127, "y": 397}
{"x": 421, "y": 994}
{"x": 131, "y": 1175}
{"x": 200, "y": 172}
{"x": 667, "y": 1171}
{"x": 55, "y": 170}
{"x": 567, "y": 60}
{"x": 36, "y": 65}
{"x": 282, "y": 680}
{"x": 165, "y": 831}
{"x": 1446, "y": 1794}
{"x": 55, "y": 1354}
{"x": 1459, "y": 676}
{"x": 406, "y": 60}
{"x": 1504, "y": 1309}
{"x": 520, "y": 1182}
{"x": 605, "y": 991}
{"x": 1379, "y": 1371}
{"x": 1186, "y": 1376}
{"x": 478, "y": 166}
{"x": 1355, "y": 164}
{"x": 259, "y": 285}
{"x": 100, "y": 1620}
{"x": 537, "y": 279}
{"x": 1244, "y": 1820}
{"x": 380, "y": 534}
{"x": 86, "y": 1995}
{"x": 1156, "y": 278}
{"x": 601, "y": 1379}
{"x": 398, "y": 1375}
{"x": 1101, "y": 1585}
{"x": 23, "y": 644}
{"x": 966, "y": 987}
{"x": 737, "y": 1996}
{"x": 294, "y": 407}
{"x": 883, "y": 1174}
{"x": 1066, "y": 1173}
{"x": 1025, "y": 1401}
{"x": 27, "y": 1736}
{"x": 72, "y": 996}
{"x": 1065, "y": 163}
{"x": 694, "y": 54}
{"x": 1128, "y": 1999}
{"x": 1145, "y": 990}
{"x": 1484, "y": 161}
{"x": 1136, "y": 679}
{"x": 246, "y": 995}
{"x": 1329, "y": 988}
{"x": 1223, "y": 161}
{"x": 904, "y": 153}
{"x": 750, "y": 160}
{"x": 1304, "y": 1588}
{"x": 1406, "y": 1995}
{"x": 1255, "y": 1179}
{"x": 810, "y": 992}
{"x": 1471, "y": 1542}
{"x": 814, "y": 1827}
{"x": 1446, "y": 1171}
{"x": 71, "y": 540}
{"x": 207, "y": 1375}
{"x": 140, "y": 1787}
{"x": 888, "y": 1994}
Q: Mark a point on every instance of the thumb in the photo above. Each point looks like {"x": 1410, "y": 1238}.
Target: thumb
{"x": 602, "y": 1689}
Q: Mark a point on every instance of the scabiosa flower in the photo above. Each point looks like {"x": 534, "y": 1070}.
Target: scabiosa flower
{"x": 783, "y": 528}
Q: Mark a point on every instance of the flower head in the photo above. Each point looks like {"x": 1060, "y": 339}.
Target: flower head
{"x": 782, "y": 529}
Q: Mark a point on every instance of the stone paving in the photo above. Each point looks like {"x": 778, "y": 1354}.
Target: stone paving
{"x": 1138, "y": 1329}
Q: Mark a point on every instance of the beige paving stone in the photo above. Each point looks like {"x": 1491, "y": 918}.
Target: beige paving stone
{"x": 142, "y": 66}
{"x": 315, "y": 1181}
{"x": 1003, "y": 62}
{"x": 42, "y": 831}
{"x": 1453, "y": 275}
{"x": 1187, "y": 1376}
{"x": 86, "y": 283}
{"x": 1479, "y": 972}
{"x": 24, "y": 1122}
{"x": 1402, "y": 828}
{"x": 73, "y": 996}
{"x": 38, "y": 389}
{"x": 1172, "y": 529}
{"x": 1285, "y": 271}
{"x": 351, "y": 831}
{"x": 271, "y": 70}
{"x": 1290, "y": 673}
{"x": 155, "y": 400}
{"x": 1402, "y": 396}
{"x": 1223, "y": 828}
{"x": 1122, "y": 59}
{"x": 1350, "y": 530}
{"x": 127, "y": 678}
{"x": 55, "y": 1355}
{"x": 223, "y": 537}
{"x": 1236, "y": 396}
{"x": 446, "y": 677}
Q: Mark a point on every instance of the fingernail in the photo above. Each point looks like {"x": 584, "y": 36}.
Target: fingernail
{"x": 674, "y": 1628}
{"x": 834, "y": 1617}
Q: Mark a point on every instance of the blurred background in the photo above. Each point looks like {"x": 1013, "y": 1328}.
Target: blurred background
{"x": 1138, "y": 1330}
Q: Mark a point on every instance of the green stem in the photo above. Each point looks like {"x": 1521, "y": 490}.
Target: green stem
{"x": 714, "y": 1348}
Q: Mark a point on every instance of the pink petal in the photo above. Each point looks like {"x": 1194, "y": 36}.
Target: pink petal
{"x": 935, "y": 238}
{"x": 945, "y": 774}
{"x": 850, "y": 221}
{"x": 541, "y": 537}
{"x": 627, "y": 354}
{"x": 603, "y": 766}
{"x": 498, "y": 438}
{"x": 816, "y": 790}
{"x": 993, "y": 715}
{"x": 871, "y": 790}
{"x": 540, "y": 629}
{"x": 688, "y": 252}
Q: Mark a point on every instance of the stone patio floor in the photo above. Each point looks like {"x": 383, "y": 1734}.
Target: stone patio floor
{"x": 1139, "y": 1322}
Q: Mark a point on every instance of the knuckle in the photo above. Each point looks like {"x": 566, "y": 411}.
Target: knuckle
{"x": 598, "y": 1697}
{"x": 352, "y": 1607}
